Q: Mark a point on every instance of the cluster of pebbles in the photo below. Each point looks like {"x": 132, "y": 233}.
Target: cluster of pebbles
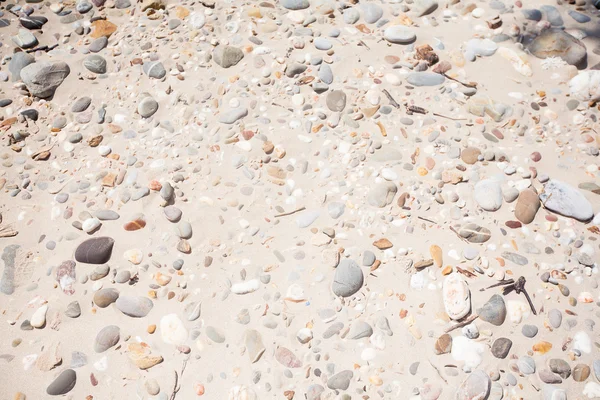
{"x": 299, "y": 199}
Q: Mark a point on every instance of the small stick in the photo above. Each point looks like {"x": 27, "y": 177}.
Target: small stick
{"x": 291, "y": 212}
{"x": 176, "y": 387}
{"x": 438, "y": 371}
{"x": 461, "y": 324}
{"x": 43, "y": 48}
{"x": 360, "y": 42}
{"x": 453, "y": 119}
{"x": 425, "y": 219}
{"x": 457, "y": 234}
{"x": 391, "y": 99}
{"x": 470, "y": 85}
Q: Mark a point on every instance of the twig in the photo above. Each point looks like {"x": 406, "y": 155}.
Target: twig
{"x": 461, "y": 324}
{"x": 291, "y": 212}
{"x": 391, "y": 99}
{"x": 177, "y": 387}
{"x": 360, "y": 42}
{"x": 457, "y": 234}
{"x": 425, "y": 219}
{"x": 43, "y": 48}
{"x": 470, "y": 85}
{"x": 438, "y": 371}
{"x": 453, "y": 119}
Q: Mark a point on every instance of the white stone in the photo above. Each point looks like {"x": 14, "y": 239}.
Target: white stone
{"x": 134, "y": 256}
{"x": 172, "y": 330}
{"x": 246, "y": 287}
{"x": 517, "y": 310}
{"x": 582, "y": 342}
{"x": 566, "y": 200}
{"x": 456, "y": 296}
{"x": 399, "y": 34}
{"x": 90, "y": 225}
{"x": 586, "y": 85}
{"x": 304, "y": 335}
{"x": 591, "y": 390}
{"x": 467, "y": 351}
{"x": 242, "y": 393}
{"x": 38, "y": 319}
{"x": 488, "y": 194}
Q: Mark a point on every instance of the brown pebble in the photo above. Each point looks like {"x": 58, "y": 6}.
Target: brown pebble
{"x": 151, "y": 329}
{"x": 513, "y": 224}
{"x": 383, "y": 244}
{"x": 535, "y": 156}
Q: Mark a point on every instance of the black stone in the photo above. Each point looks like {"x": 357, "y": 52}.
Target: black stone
{"x": 95, "y": 250}
{"x": 34, "y": 22}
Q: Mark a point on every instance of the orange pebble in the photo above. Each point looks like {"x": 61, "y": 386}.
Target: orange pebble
{"x": 199, "y": 389}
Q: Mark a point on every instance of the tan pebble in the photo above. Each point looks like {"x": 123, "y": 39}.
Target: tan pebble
{"x": 376, "y": 380}
{"x": 542, "y": 347}
{"x": 447, "y": 270}
{"x": 151, "y": 329}
{"x": 383, "y": 244}
{"x": 436, "y": 254}
{"x": 19, "y": 396}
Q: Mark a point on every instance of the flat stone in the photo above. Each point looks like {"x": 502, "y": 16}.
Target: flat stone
{"x": 566, "y": 200}
{"x": 382, "y": 194}
{"x": 560, "y": 367}
{"x": 233, "y": 115}
{"x": 488, "y": 194}
{"x": 529, "y": 331}
{"x": 456, "y": 296}
{"x": 425, "y": 79}
{"x": 43, "y": 78}
{"x": 526, "y": 365}
{"x": 254, "y": 345}
{"x": 107, "y": 337}
{"x": 359, "y": 330}
{"x": 371, "y": 12}
{"x": 443, "y": 344}
{"x": 73, "y": 310}
{"x": 477, "y": 385}
{"x": 482, "y": 47}
{"x": 227, "y": 56}
{"x": 558, "y": 43}
{"x": 399, "y": 34}
{"x": 7, "y": 282}
{"x": 147, "y": 107}
{"x": 501, "y": 347}
{"x": 555, "y": 318}
{"x": 581, "y": 372}
{"x": 98, "y": 44}
{"x": 215, "y": 334}
{"x": 532, "y": 14}
{"x": 154, "y": 69}
{"x": 95, "y": 251}
{"x": 552, "y": 15}
{"x": 336, "y": 100}
{"x": 515, "y": 258}
{"x": 340, "y": 381}
{"x": 348, "y": 278}
{"x": 527, "y": 206}
{"x": 63, "y": 383}
{"x": 135, "y": 307}
{"x": 25, "y": 39}
{"x": 493, "y": 311}
{"x": 105, "y": 297}
{"x": 424, "y": 7}
{"x": 95, "y": 63}
{"x": 81, "y": 104}
{"x": 295, "y": 4}
{"x": 474, "y": 233}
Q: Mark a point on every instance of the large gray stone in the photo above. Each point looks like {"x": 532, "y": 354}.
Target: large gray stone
{"x": 42, "y": 78}
{"x": 227, "y": 56}
{"x": 63, "y": 384}
{"x": 107, "y": 338}
{"x": 134, "y": 306}
{"x": 558, "y": 43}
{"x": 19, "y": 61}
{"x": 348, "y": 278}
{"x": 95, "y": 251}
{"x": 494, "y": 311}
{"x": 566, "y": 200}
{"x": 425, "y": 79}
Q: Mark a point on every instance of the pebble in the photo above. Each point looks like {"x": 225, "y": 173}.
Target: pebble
{"x": 348, "y": 279}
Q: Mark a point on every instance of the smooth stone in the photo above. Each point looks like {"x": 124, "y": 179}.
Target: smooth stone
{"x": 488, "y": 194}
{"x": 526, "y": 365}
{"x": 99, "y": 272}
{"x": 322, "y": 44}
{"x": 107, "y": 215}
{"x": 348, "y": 278}
{"x": 233, "y": 115}
{"x": 134, "y": 306}
{"x": 371, "y": 13}
{"x": 558, "y": 43}
{"x": 227, "y": 56}
{"x": 95, "y": 63}
{"x": 456, "y": 296}
{"x": 63, "y": 384}
{"x": 336, "y": 100}
{"x": 307, "y": 218}
{"x": 73, "y": 310}
{"x": 560, "y": 367}
{"x": 326, "y": 74}
{"x": 579, "y": 17}
{"x": 33, "y": 22}
{"x": 254, "y": 345}
{"x": 336, "y": 209}
{"x": 581, "y": 372}
{"x": 98, "y": 44}
{"x": 368, "y": 258}
{"x": 527, "y": 206}
{"x": 147, "y": 107}
{"x": 552, "y": 15}
{"x": 19, "y": 61}
{"x": 532, "y": 14}
{"x": 295, "y": 4}
{"x": 359, "y": 330}
{"x": 172, "y": 330}
{"x": 7, "y": 282}
{"x": 515, "y": 258}
{"x": 501, "y": 347}
{"x": 42, "y": 78}
{"x": 549, "y": 377}
{"x": 399, "y": 34}
{"x": 382, "y": 194}
{"x": 25, "y": 39}
{"x": 424, "y": 7}
{"x": 95, "y": 251}
{"x": 425, "y": 79}
{"x": 555, "y": 318}
{"x": 340, "y": 381}
{"x": 529, "y": 331}
{"x": 215, "y": 334}
{"x": 493, "y": 311}
{"x": 566, "y": 200}
{"x": 474, "y": 233}
{"x": 107, "y": 337}
{"x": 351, "y": 16}
{"x": 550, "y": 392}
{"x": 172, "y": 213}
{"x": 38, "y": 319}
{"x": 81, "y": 104}
{"x": 105, "y": 297}
{"x": 482, "y": 47}
{"x": 477, "y": 385}
{"x": 154, "y": 69}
